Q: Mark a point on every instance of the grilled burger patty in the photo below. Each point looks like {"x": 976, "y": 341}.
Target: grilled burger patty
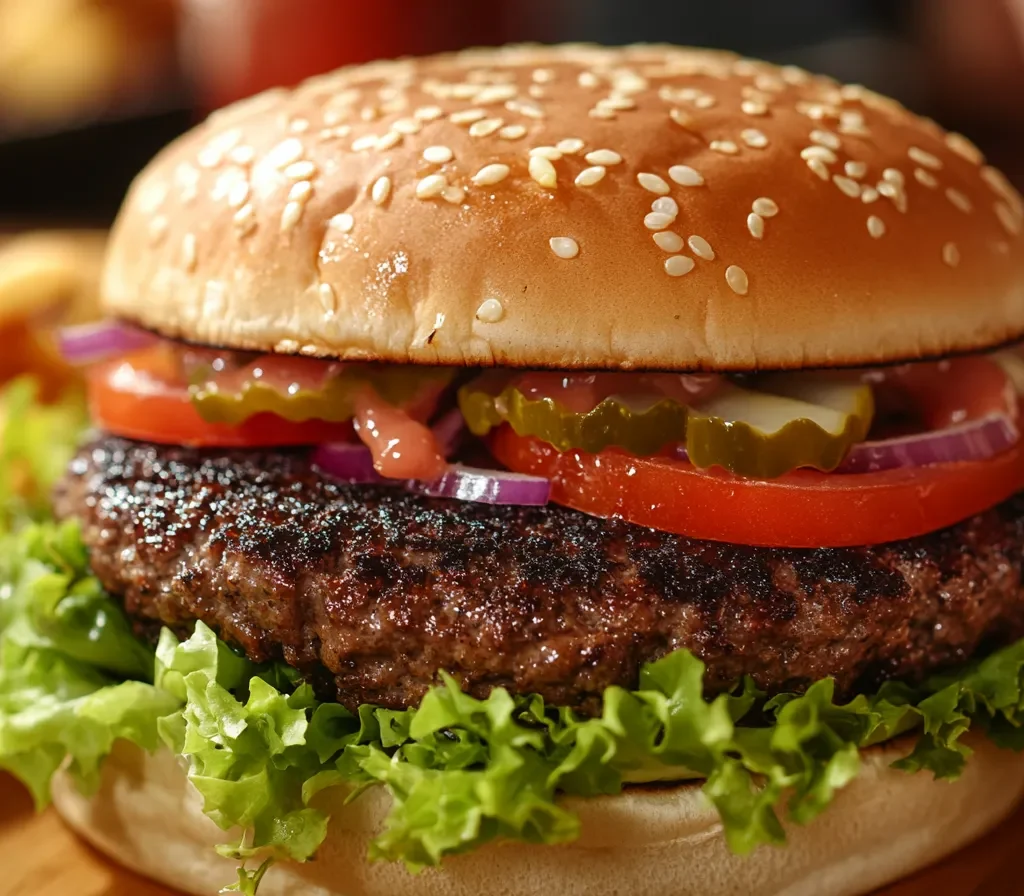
{"x": 369, "y": 591}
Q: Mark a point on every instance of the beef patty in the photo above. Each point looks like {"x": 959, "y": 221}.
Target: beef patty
{"x": 369, "y": 591}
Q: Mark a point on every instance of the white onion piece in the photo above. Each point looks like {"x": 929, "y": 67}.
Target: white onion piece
{"x": 976, "y": 440}
{"x": 88, "y": 343}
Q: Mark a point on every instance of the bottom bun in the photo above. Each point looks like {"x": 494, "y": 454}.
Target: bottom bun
{"x": 663, "y": 841}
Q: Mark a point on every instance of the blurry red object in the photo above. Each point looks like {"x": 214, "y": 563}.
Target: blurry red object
{"x": 235, "y": 48}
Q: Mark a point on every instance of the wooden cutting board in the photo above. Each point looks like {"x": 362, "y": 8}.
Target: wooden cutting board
{"x": 40, "y": 857}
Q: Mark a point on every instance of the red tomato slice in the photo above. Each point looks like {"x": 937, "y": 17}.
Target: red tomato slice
{"x": 804, "y": 509}
{"x": 139, "y": 397}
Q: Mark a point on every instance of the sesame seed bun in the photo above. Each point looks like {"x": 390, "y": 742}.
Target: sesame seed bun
{"x": 645, "y": 842}
{"x": 648, "y": 207}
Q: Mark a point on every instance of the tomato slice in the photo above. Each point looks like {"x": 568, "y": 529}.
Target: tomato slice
{"x": 803, "y": 509}
{"x": 140, "y": 397}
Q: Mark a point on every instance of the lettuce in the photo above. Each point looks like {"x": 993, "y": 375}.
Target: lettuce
{"x": 461, "y": 771}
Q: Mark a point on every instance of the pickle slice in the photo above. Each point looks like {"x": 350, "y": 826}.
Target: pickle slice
{"x": 331, "y": 398}
{"x": 781, "y": 423}
{"x": 613, "y": 421}
{"x": 797, "y": 422}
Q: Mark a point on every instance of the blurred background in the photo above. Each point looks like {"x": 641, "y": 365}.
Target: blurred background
{"x": 91, "y": 89}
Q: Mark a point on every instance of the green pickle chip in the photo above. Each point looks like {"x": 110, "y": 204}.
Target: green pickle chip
{"x": 333, "y": 401}
{"x": 779, "y": 423}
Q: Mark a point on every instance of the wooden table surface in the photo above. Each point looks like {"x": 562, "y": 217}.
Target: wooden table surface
{"x": 39, "y": 857}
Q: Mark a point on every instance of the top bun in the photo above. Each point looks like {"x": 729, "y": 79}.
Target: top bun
{"x": 575, "y": 206}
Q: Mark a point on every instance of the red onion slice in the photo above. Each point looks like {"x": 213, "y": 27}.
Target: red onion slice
{"x": 977, "y": 440}
{"x": 352, "y": 462}
{"x": 488, "y": 487}
{"x": 89, "y": 343}
{"x": 348, "y": 461}
{"x": 448, "y": 431}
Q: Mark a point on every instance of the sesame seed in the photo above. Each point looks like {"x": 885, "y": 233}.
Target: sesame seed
{"x": 389, "y": 141}
{"x": 437, "y": 155}
{"x": 736, "y": 277}
{"x": 342, "y": 223}
{"x": 754, "y": 138}
{"x": 652, "y": 183}
{"x": 951, "y": 254}
{"x": 590, "y": 176}
{"x": 686, "y": 176}
{"x": 188, "y": 252}
{"x": 530, "y": 110}
{"x": 678, "y": 265}
{"x": 818, "y": 167}
{"x": 765, "y": 207}
{"x": 856, "y": 170}
{"x": 367, "y": 141}
{"x": 753, "y": 107}
{"x": 959, "y": 199}
{"x": 238, "y": 195}
{"x": 242, "y": 155}
{"x": 868, "y": 195}
{"x": 826, "y": 138}
{"x": 537, "y": 91}
{"x": 485, "y": 127}
{"x": 701, "y": 248}
{"x": 1011, "y": 222}
{"x": 512, "y": 132}
{"x": 291, "y": 215}
{"x": 564, "y": 246}
{"x": 893, "y": 176}
{"x": 551, "y": 153}
{"x": 755, "y": 224}
{"x": 491, "y": 174}
{"x": 847, "y": 185}
{"x": 681, "y": 117}
{"x": 428, "y": 113}
{"x": 453, "y": 194}
{"x": 570, "y": 145}
{"x": 467, "y": 116}
{"x": 300, "y": 191}
{"x": 490, "y": 311}
{"x": 603, "y": 157}
{"x": 668, "y": 241}
{"x": 381, "y": 190}
{"x": 328, "y": 299}
{"x": 726, "y": 147}
{"x": 285, "y": 153}
{"x": 964, "y": 148}
{"x": 543, "y": 75}
{"x": 998, "y": 183}
{"x": 924, "y": 158}
{"x": 926, "y": 178}
{"x": 157, "y": 228}
{"x": 245, "y": 219}
{"x": 431, "y": 186}
{"x": 658, "y": 220}
{"x": 705, "y": 101}
{"x": 407, "y": 126}
{"x": 617, "y": 103}
{"x": 876, "y": 227}
{"x": 818, "y": 152}
{"x": 793, "y": 74}
{"x": 495, "y": 93}
{"x": 587, "y": 79}
{"x": 300, "y": 170}
{"x": 666, "y": 205}
{"x": 542, "y": 171}
{"x": 766, "y": 81}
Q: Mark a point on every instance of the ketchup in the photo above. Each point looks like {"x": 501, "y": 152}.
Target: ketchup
{"x": 402, "y": 448}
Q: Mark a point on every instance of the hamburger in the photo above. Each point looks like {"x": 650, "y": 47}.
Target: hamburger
{"x": 539, "y": 468}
